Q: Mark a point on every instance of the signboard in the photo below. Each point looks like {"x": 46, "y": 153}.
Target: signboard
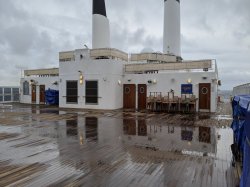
{"x": 186, "y": 89}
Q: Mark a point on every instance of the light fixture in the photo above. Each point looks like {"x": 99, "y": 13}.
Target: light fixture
{"x": 33, "y": 82}
{"x": 154, "y": 81}
{"x": 119, "y": 82}
{"x": 80, "y": 78}
{"x": 189, "y": 81}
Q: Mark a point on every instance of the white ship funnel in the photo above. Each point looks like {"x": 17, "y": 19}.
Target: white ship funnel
{"x": 100, "y": 26}
{"x": 172, "y": 28}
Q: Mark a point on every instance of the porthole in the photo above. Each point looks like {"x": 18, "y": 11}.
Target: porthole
{"x": 142, "y": 90}
{"x": 127, "y": 90}
{"x": 204, "y": 90}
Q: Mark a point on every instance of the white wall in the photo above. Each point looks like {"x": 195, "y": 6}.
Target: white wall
{"x": 107, "y": 72}
{"x": 241, "y": 90}
{"x": 173, "y": 80}
{"x": 47, "y": 81}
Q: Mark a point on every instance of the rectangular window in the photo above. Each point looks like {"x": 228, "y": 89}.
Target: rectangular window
{"x": 15, "y": 93}
{"x": 1, "y": 91}
{"x": 26, "y": 88}
{"x": 72, "y": 92}
{"x": 7, "y": 91}
{"x": 7, "y": 98}
{"x": 91, "y": 92}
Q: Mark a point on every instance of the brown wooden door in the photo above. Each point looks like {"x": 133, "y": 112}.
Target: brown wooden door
{"x": 42, "y": 94}
{"x": 142, "y": 96}
{"x": 204, "y": 96}
{"x": 33, "y": 94}
{"x": 129, "y": 96}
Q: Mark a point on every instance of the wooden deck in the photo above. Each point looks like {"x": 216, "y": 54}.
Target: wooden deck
{"x": 45, "y": 146}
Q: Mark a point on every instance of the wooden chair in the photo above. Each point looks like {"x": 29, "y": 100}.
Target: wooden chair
{"x": 174, "y": 104}
{"x": 150, "y": 102}
{"x": 165, "y": 103}
{"x": 158, "y": 102}
{"x": 192, "y": 103}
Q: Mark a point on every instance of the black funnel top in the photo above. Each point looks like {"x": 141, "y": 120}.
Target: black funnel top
{"x": 99, "y": 7}
{"x": 176, "y": 0}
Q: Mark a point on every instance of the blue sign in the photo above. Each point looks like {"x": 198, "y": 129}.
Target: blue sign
{"x": 186, "y": 89}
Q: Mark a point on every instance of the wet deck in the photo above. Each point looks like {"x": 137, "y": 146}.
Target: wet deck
{"x": 45, "y": 146}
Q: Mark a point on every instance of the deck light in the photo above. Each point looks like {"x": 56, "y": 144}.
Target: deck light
{"x": 81, "y": 78}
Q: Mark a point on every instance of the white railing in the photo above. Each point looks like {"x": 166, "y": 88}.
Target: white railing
{"x": 108, "y": 52}
{"x": 42, "y": 72}
{"x": 186, "y": 65}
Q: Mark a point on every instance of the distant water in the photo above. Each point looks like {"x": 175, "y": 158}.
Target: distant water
{"x": 225, "y": 95}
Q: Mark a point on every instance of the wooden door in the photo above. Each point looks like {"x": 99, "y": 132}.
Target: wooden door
{"x": 129, "y": 96}
{"x": 42, "y": 94}
{"x": 142, "y": 96}
{"x": 33, "y": 95}
{"x": 204, "y": 96}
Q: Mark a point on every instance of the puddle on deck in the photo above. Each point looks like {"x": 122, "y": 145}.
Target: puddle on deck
{"x": 116, "y": 148}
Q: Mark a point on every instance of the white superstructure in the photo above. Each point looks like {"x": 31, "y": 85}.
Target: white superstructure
{"x": 107, "y": 78}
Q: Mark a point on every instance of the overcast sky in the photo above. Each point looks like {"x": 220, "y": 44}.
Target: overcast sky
{"x": 32, "y": 32}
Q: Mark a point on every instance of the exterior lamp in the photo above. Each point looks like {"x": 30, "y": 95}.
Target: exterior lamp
{"x": 119, "y": 82}
{"x": 154, "y": 81}
{"x": 81, "y": 79}
{"x": 189, "y": 81}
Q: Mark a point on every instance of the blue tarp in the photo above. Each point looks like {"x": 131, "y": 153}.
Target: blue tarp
{"x": 241, "y": 128}
{"x": 240, "y": 105}
{"x": 245, "y": 178}
{"x": 52, "y": 97}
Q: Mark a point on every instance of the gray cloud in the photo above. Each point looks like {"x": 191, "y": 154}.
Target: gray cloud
{"x": 32, "y": 33}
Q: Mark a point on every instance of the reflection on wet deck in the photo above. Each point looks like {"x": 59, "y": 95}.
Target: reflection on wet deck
{"x": 47, "y": 146}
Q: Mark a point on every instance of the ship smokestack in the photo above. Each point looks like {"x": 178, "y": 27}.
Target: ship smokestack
{"x": 172, "y": 28}
{"x": 100, "y": 26}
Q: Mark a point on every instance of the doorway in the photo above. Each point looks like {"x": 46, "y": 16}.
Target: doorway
{"x": 129, "y": 91}
{"x": 142, "y": 96}
{"x": 204, "y": 96}
{"x": 42, "y": 94}
{"x": 33, "y": 95}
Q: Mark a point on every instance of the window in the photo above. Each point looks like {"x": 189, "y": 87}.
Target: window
{"x": 26, "y": 88}
{"x": 7, "y": 91}
{"x": 1, "y": 91}
{"x": 91, "y": 92}
{"x": 72, "y": 91}
{"x": 15, "y": 93}
{"x": 7, "y": 98}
